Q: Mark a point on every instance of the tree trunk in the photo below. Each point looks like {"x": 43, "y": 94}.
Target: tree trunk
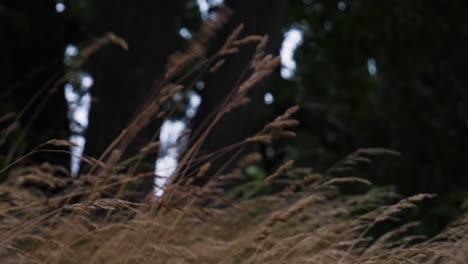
{"x": 33, "y": 41}
{"x": 260, "y": 17}
{"x": 123, "y": 79}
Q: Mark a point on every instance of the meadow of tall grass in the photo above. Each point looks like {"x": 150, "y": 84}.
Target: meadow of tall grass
{"x": 292, "y": 215}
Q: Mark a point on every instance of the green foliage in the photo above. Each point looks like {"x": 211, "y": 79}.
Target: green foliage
{"x": 415, "y": 102}
{"x": 256, "y": 172}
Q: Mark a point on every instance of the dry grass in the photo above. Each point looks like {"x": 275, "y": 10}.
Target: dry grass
{"x": 47, "y": 217}
{"x": 314, "y": 225}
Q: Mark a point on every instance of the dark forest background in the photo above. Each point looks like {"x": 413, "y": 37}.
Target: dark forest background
{"x": 387, "y": 74}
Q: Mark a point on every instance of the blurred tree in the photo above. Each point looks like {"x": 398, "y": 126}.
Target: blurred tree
{"x": 260, "y": 17}
{"x": 123, "y": 79}
{"x": 386, "y": 74}
{"x": 33, "y": 41}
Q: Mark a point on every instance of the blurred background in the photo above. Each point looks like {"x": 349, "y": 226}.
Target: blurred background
{"x": 365, "y": 73}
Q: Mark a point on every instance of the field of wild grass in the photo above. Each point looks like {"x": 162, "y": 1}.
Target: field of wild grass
{"x": 293, "y": 215}
{"x": 308, "y": 221}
